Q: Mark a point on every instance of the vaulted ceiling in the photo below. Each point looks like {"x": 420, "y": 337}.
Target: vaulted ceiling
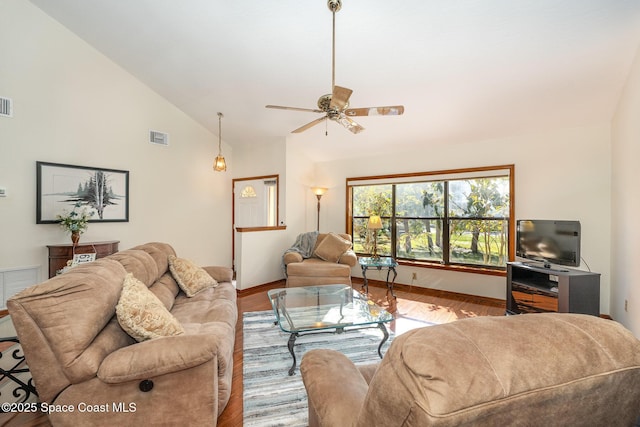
{"x": 465, "y": 70}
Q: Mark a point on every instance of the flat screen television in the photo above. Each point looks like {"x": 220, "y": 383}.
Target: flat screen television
{"x": 549, "y": 241}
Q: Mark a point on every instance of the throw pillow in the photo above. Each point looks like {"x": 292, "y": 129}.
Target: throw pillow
{"x": 191, "y": 278}
{"x": 332, "y": 247}
{"x": 142, "y": 315}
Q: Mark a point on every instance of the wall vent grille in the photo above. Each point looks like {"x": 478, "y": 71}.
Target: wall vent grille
{"x": 6, "y": 107}
{"x": 158, "y": 138}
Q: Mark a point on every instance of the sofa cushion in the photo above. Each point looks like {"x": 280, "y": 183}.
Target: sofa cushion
{"x": 332, "y": 247}
{"x": 67, "y": 345}
{"x": 142, "y": 315}
{"x": 139, "y": 263}
{"x": 313, "y": 267}
{"x": 191, "y": 278}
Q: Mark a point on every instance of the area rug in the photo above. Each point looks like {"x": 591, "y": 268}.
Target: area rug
{"x": 272, "y": 397}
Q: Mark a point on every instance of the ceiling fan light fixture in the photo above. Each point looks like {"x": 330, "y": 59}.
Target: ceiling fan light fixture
{"x": 219, "y": 164}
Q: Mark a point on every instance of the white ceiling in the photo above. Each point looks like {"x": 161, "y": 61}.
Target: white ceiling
{"x": 465, "y": 70}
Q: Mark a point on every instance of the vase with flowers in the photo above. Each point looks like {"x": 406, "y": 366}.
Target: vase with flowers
{"x": 75, "y": 221}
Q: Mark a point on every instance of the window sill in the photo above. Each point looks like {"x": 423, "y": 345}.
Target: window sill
{"x": 460, "y": 268}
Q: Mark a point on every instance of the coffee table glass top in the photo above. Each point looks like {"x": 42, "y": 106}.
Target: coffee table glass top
{"x": 312, "y": 308}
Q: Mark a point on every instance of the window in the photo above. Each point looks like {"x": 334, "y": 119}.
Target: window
{"x": 459, "y": 218}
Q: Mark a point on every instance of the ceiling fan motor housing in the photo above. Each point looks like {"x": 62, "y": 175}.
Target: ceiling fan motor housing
{"x": 324, "y": 102}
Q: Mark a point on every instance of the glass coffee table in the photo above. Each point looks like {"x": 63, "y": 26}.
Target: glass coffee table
{"x": 325, "y": 309}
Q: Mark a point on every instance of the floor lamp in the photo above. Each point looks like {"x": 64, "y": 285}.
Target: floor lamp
{"x": 318, "y": 191}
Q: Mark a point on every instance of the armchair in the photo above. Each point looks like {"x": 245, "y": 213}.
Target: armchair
{"x": 319, "y": 259}
{"x": 532, "y": 369}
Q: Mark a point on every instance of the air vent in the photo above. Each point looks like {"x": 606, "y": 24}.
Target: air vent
{"x": 6, "y": 107}
{"x": 159, "y": 138}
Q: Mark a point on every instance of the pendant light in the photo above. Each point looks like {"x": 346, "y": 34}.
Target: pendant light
{"x": 219, "y": 165}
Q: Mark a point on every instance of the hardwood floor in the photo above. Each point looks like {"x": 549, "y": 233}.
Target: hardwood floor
{"x": 416, "y": 307}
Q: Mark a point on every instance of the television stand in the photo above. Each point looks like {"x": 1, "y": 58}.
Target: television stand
{"x": 537, "y": 289}
{"x": 546, "y": 266}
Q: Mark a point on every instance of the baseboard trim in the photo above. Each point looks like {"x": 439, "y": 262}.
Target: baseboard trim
{"x": 381, "y": 284}
{"x": 496, "y": 302}
{"x": 261, "y": 288}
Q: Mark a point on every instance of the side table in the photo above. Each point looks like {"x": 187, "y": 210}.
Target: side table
{"x": 60, "y": 254}
{"x": 379, "y": 263}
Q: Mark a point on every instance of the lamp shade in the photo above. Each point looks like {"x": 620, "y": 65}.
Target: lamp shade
{"x": 319, "y": 191}
{"x": 219, "y": 165}
{"x": 375, "y": 223}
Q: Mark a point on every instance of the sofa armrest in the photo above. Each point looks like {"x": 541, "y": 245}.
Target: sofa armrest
{"x": 291, "y": 257}
{"x": 329, "y": 405}
{"x": 349, "y": 258}
{"x": 155, "y": 357}
{"x": 221, "y": 274}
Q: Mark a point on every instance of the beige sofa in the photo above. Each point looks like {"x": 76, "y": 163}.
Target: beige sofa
{"x": 528, "y": 370}
{"x": 328, "y": 262}
{"x": 81, "y": 358}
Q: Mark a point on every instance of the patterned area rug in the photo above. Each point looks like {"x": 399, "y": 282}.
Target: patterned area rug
{"x": 271, "y": 396}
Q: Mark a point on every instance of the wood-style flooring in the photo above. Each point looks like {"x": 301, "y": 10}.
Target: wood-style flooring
{"x": 415, "y": 306}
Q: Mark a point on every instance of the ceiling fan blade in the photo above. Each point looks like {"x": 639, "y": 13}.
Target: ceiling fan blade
{"x": 280, "y": 107}
{"x": 310, "y": 124}
{"x": 348, "y": 123}
{"x": 340, "y": 97}
{"x": 392, "y": 110}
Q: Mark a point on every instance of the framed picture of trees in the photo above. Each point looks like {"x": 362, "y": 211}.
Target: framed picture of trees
{"x": 62, "y": 187}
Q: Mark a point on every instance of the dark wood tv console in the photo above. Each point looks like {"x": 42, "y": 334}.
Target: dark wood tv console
{"x": 536, "y": 289}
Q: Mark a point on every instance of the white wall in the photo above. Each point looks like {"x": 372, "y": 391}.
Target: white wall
{"x": 560, "y": 174}
{"x": 75, "y": 106}
{"x": 258, "y": 257}
{"x": 626, "y": 204}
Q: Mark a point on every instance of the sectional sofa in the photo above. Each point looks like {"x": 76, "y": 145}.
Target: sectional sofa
{"x": 90, "y": 371}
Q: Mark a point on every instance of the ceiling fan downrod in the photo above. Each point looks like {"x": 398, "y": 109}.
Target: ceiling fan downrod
{"x": 334, "y": 6}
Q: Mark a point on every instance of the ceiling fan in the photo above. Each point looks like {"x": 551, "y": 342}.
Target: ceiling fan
{"x": 335, "y": 105}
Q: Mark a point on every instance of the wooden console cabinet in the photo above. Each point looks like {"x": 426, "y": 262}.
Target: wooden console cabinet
{"x": 533, "y": 289}
{"x": 60, "y": 254}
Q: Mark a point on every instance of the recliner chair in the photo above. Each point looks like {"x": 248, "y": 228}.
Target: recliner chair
{"x": 329, "y": 262}
{"x": 552, "y": 369}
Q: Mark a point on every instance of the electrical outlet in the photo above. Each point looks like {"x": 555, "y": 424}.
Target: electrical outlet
{"x": 414, "y": 276}
{"x": 626, "y": 305}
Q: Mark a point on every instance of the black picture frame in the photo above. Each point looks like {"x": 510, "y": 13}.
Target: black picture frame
{"x": 60, "y": 187}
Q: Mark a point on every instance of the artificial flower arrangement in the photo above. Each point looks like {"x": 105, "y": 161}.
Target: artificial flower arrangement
{"x": 75, "y": 221}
